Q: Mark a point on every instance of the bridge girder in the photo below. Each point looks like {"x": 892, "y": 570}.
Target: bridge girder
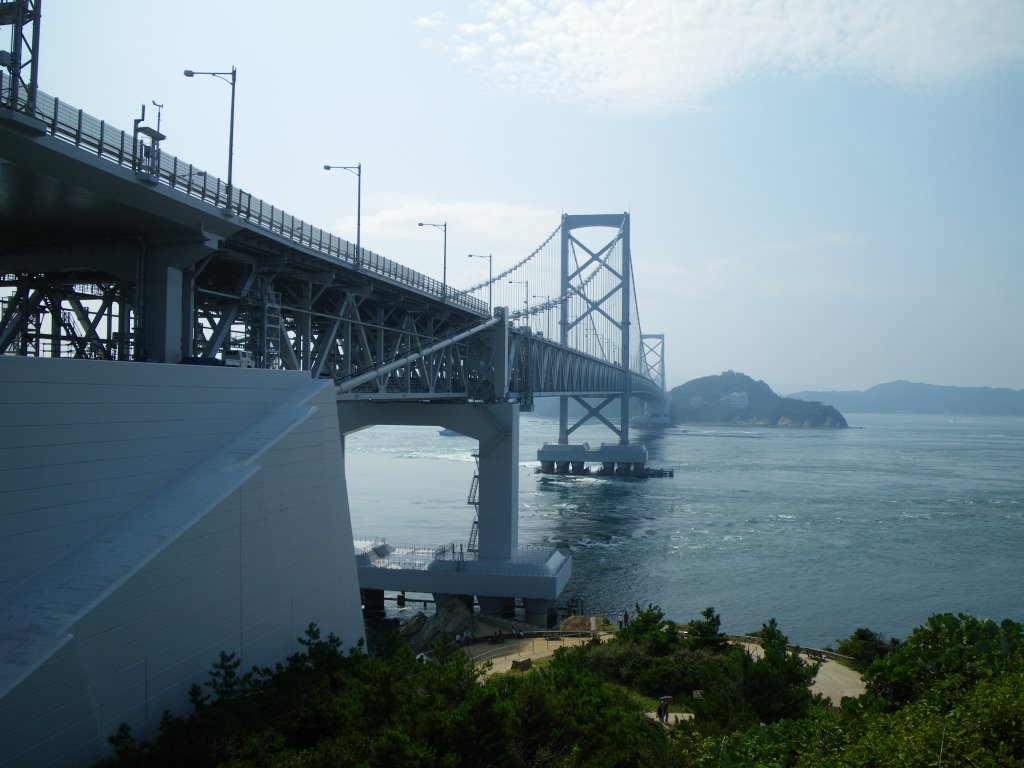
{"x": 100, "y": 260}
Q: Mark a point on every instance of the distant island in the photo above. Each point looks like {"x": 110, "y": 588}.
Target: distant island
{"x": 908, "y": 397}
{"x": 735, "y": 398}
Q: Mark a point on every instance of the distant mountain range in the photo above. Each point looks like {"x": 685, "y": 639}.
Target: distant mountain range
{"x": 908, "y": 397}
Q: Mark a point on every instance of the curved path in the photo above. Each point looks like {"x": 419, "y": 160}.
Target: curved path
{"x": 833, "y": 681}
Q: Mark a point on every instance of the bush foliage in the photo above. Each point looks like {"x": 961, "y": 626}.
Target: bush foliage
{"x": 951, "y": 694}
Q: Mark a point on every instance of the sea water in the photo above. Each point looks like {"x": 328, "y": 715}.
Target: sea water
{"x": 877, "y": 526}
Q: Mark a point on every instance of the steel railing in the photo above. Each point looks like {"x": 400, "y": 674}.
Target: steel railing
{"x": 102, "y": 140}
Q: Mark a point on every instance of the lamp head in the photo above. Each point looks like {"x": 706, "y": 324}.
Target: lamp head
{"x": 189, "y": 73}
{"x": 420, "y": 224}
{"x": 327, "y": 167}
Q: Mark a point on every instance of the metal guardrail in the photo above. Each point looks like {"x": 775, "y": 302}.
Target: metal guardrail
{"x": 102, "y": 140}
{"x": 419, "y": 558}
{"x": 816, "y": 654}
{"x": 512, "y": 646}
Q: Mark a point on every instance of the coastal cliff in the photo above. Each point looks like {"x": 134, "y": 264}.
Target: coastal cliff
{"x": 735, "y": 398}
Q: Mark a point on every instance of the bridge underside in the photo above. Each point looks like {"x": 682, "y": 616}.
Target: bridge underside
{"x": 497, "y": 569}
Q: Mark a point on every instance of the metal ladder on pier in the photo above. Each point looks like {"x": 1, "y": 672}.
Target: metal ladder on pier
{"x": 474, "y": 500}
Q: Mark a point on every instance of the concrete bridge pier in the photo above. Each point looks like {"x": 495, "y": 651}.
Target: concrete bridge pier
{"x": 538, "y": 611}
{"x": 441, "y": 599}
{"x": 373, "y": 603}
{"x": 501, "y": 570}
{"x": 164, "y": 297}
{"x": 628, "y": 459}
{"x": 498, "y": 606}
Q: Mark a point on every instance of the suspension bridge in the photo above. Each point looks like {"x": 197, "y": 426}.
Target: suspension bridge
{"x": 180, "y": 362}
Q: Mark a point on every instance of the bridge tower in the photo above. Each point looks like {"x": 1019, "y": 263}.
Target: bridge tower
{"x": 612, "y": 307}
{"x": 593, "y": 307}
{"x": 18, "y": 93}
{"x": 652, "y": 359}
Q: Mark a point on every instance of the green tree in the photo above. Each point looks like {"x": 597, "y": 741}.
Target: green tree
{"x": 864, "y": 646}
{"x": 955, "y": 650}
{"x": 707, "y": 634}
{"x": 778, "y": 681}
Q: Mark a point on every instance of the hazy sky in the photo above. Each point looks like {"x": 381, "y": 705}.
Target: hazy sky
{"x": 824, "y": 195}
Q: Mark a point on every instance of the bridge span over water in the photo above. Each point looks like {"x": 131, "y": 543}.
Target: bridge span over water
{"x": 157, "y": 513}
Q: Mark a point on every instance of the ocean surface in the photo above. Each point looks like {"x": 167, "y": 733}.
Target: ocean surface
{"x": 876, "y": 526}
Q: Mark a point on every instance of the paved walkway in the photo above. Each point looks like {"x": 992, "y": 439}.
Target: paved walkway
{"x": 503, "y": 654}
{"x": 833, "y": 681}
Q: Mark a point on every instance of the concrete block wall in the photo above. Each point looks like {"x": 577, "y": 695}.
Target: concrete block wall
{"x": 89, "y": 449}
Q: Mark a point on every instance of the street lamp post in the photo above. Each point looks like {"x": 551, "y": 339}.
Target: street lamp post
{"x": 357, "y": 169}
{"x": 547, "y": 312}
{"x": 526, "y": 297}
{"x": 444, "y": 269}
{"x": 490, "y": 277}
{"x": 159, "y": 112}
{"x": 231, "y": 129}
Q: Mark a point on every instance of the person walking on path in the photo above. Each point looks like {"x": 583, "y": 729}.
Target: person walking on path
{"x": 663, "y": 709}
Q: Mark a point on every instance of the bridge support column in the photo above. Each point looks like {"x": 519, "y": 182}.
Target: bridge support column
{"x": 165, "y": 299}
{"x": 373, "y": 603}
{"x": 499, "y": 484}
{"x": 498, "y": 606}
{"x": 162, "y": 315}
{"x": 441, "y": 599}
{"x": 496, "y": 427}
{"x": 537, "y": 611}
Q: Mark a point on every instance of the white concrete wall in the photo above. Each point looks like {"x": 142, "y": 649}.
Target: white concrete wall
{"x": 89, "y": 449}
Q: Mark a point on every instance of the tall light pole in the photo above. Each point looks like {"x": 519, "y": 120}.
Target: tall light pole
{"x": 490, "y": 277}
{"x": 526, "y": 296}
{"x": 547, "y": 312}
{"x": 444, "y": 273}
{"x": 231, "y": 129}
{"x": 159, "y": 113}
{"x": 357, "y": 169}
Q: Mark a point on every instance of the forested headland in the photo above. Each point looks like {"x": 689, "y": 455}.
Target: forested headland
{"x": 735, "y": 398}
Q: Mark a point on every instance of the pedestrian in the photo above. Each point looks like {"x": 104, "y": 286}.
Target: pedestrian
{"x": 625, "y": 618}
{"x": 620, "y": 619}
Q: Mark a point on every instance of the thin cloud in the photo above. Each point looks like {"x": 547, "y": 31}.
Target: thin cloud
{"x": 659, "y": 55}
{"x": 429, "y": 22}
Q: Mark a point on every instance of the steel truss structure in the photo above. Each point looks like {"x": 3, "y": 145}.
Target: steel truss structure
{"x": 292, "y": 313}
{"x": 50, "y": 317}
